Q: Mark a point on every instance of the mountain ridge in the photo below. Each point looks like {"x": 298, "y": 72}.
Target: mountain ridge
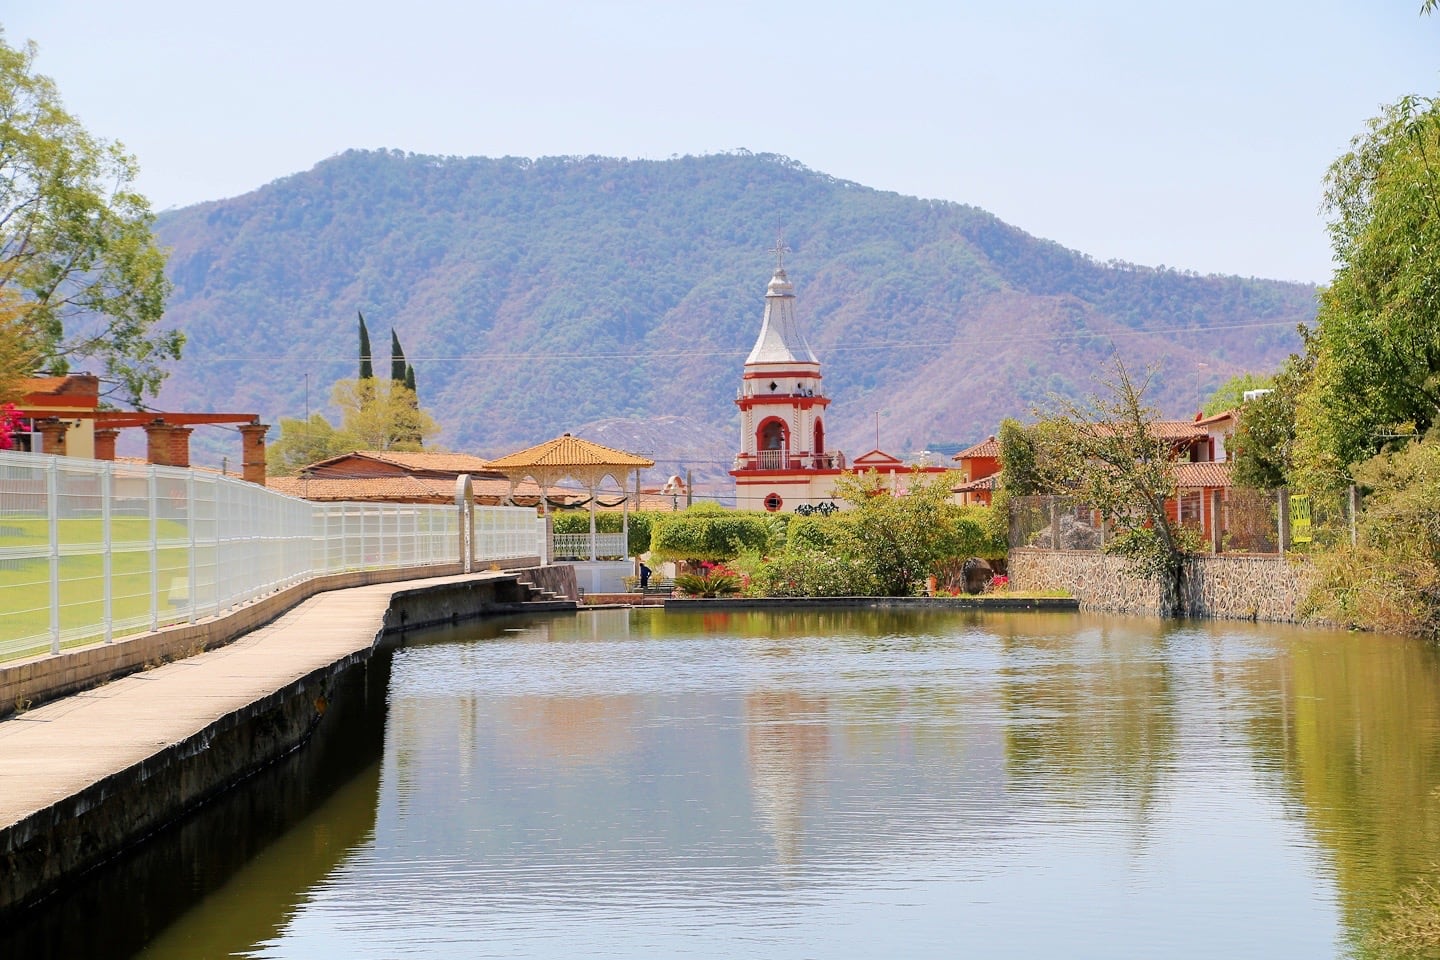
{"x": 534, "y": 295}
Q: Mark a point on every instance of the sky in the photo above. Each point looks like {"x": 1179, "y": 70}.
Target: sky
{"x": 1194, "y": 136}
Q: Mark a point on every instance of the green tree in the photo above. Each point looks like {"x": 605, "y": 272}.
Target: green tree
{"x": 1375, "y": 384}
{"x": 902, "y": 539}
{"x": 367, "y": 367}
{"x": 381, "y": 415}
{"x": 75, "y": 240}
{"x": 17, "y": 352}
{"x": 1105, "y": 452}
{"x": 1263, "y": 446}
{"x": 303, "y": 442}
{"x": 397, "y": 359}
{"x": 1230, "y": 395}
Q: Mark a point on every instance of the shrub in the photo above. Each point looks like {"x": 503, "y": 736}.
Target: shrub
{"x": 814, "y": 573}
{"x": 578, "y": 521}
{"x": 708, "y": 534}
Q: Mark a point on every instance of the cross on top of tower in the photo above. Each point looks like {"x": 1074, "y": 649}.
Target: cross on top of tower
{"x": 780, "y": 251}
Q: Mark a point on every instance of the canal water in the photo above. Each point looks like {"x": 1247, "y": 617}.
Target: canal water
{"x": 625, "y": 784}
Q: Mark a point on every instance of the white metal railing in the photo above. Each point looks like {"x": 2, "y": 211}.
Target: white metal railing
{"x": 770, "y": 460}
{"x": 91, "y": 550}
{"x": 578, "y": 545}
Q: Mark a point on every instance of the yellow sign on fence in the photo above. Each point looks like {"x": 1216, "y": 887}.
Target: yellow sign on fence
{"x": 1300, "y": 519}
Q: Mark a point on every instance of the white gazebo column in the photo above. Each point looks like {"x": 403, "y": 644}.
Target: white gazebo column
{"x": 624, "y": 519}
{"x": 592, "y": 519}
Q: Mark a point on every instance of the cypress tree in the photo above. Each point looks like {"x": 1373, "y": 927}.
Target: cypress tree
{"x": 366, "y": 371}
{"x": 410, "y": 378}
{"x": 397, "y": 358}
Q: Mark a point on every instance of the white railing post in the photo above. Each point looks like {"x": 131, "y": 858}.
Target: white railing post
{"x": 107, "y": 567}
{"x": 52, "y": 511}
{"x": 154, "y": 510}
{"x": 191, "y": 570}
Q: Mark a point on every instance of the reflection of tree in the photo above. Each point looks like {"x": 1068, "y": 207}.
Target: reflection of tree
{"x": 1352, "y": 724}
{"x": 1089, "y": 711}
{"x": 786, "y": 742}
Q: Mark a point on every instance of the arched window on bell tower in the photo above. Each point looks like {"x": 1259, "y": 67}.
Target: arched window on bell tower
{"x": 772, "y": 441}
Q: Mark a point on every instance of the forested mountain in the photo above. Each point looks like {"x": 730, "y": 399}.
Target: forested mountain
{"x": 533, "y": 296}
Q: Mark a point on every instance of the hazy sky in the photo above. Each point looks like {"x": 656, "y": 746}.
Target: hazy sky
{"x": 1190, "y": 134}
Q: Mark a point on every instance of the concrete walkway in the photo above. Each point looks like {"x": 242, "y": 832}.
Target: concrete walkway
{"x": 61, "y": 748}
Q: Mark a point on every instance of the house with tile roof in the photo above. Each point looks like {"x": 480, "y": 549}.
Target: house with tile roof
{"x": 979, "y": 473}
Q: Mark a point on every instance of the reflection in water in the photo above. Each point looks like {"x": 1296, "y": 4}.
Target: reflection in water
{"x": 785, "y": 737}
{"x": 862, "y": 783}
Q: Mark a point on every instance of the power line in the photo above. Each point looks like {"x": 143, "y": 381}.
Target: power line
{"x": 967, "y": 341}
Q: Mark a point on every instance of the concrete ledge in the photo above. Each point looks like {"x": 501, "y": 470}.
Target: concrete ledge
{"x": 28, "y": 683}
{"x": 88, "y": 776}
{"x": 876, "y": 603}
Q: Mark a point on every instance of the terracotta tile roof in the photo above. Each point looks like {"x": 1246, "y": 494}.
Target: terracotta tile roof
{"x": 1217, "y": 418}
{"x": 80, "y": 384}
{"x": 985, "y": 448}
{"x": 991, "y": 482}
{"x": 440, "y": 462}
{"x": 568, "y": 451}
{"x": 401, "y": 489}
{"x": 1177, "y": 429}
{"x": 1211, "y": 473}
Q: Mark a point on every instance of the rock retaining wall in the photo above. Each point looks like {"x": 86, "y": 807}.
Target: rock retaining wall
{"x": 1223, "y": 587}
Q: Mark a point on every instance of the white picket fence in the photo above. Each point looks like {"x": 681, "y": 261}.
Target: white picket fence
{"x": 91, "y": 550}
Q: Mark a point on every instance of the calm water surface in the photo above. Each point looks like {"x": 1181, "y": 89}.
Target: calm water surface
{"x": 854, "y": 784}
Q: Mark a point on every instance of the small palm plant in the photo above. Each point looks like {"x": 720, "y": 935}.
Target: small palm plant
{"x": 711, "y": 583}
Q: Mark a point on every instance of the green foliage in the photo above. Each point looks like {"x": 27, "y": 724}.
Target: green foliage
{"x": 1104, "y": 452}
{"x": 901, "y": 538}
{"x": 75, "y": 241}
{"x": 367, "y": 366}
{"x": 381, "y": 415}
{"x": 1390, "y": 581}
{"x": 1375, "y": 383}
{"x": 806, "y": 572}
{"x": 1034, "y": 459}
{"x": 1264, "y": 441}
{"x": 708, "y": 532}
{"x": 811, "y": 533}
{"x": 1231, "y": 394}
{"x": 397, "y": 360}
{"x": 302, "y": 443}
{"x": 609, "y": 521}
{"x": 712, "y": 583}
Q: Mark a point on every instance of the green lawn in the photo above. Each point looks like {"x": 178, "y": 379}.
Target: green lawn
{"x": 25, "y": 581}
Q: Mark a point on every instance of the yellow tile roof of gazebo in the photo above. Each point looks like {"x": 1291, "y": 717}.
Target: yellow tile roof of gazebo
{"x": 568, "y": 456}
{"x": 567, "y": 451}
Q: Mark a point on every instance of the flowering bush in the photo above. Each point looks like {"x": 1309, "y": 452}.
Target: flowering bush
{"x": 9, "y": 422}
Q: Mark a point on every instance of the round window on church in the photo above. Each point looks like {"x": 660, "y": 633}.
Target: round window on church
{"x": 773, "y": 503}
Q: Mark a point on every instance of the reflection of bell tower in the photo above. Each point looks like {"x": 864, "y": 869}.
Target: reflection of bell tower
{"x": 783, "y": 461}
{"x": 786, "y": 748}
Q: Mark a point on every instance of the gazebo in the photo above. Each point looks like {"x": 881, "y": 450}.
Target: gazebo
{"x": 572, "y": 458}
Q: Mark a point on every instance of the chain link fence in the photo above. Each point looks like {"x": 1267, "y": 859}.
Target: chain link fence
{"x": 1224, "y": 520}
{"x": 92, "y": 550}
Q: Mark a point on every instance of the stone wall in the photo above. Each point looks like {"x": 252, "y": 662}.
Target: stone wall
{"x": 1223, "y": 587}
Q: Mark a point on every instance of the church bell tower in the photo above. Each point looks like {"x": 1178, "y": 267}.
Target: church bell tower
{"x": 783, "y": 461}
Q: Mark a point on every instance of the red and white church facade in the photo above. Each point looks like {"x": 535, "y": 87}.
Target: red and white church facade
{"x": 784, "y": 462}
